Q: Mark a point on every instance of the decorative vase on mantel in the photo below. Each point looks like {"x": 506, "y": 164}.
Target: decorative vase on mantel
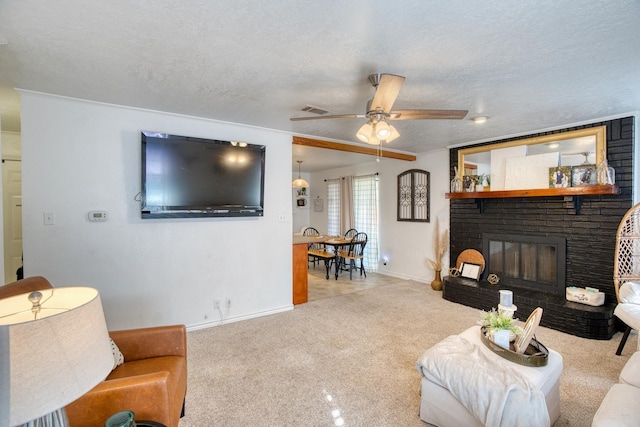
{"x": 436, "y": 284}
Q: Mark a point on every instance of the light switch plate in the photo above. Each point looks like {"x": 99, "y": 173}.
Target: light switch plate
{"x": 49, "y": 218}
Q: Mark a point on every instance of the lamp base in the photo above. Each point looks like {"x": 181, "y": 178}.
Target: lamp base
{"x": 57, "y": 418}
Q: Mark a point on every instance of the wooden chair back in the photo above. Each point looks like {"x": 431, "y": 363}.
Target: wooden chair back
{"x": 351, "y": 233}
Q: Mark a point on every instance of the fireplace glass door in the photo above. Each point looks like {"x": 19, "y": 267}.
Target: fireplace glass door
{"x": 533, "y": 262}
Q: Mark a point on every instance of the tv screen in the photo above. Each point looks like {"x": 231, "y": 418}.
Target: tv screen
{"x": 195, "y": 177}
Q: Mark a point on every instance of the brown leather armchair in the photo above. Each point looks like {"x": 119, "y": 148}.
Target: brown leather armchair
{"x": 23, "y": 286}
{"x": 152, "y": 381}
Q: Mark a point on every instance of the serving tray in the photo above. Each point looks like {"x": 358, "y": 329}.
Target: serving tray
{"x": 535, "y": 355}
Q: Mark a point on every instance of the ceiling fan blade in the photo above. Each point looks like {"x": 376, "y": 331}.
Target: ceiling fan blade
{"x": 428, "y": 114}
{"x": 336, "y": 116}
{"x": 387, "y": 92}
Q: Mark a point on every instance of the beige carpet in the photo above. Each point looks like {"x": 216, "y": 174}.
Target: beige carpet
{"x": 351, "y": 359}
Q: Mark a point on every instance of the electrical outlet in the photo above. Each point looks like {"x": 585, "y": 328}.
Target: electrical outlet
{"x": 216, "y": 304}
{"x": 227, "y": 302}
{"x": 282, "y": 217}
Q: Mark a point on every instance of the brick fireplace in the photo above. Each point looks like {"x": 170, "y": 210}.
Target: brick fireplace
{"x": 589, "y": 233}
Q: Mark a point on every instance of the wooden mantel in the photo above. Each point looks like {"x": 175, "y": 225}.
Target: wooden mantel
{"x": 541, "y": 192}
{"x": 575, "y": 192}
{"x": 318, "y": 143}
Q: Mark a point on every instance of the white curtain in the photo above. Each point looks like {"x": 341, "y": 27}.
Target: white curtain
{"x": 346, "y": 204}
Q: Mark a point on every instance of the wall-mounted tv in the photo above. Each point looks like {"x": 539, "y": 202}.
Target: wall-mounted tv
{"x": 185, "y": 177}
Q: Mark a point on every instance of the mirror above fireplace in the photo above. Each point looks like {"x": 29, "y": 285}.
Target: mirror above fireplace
{"x": 583, "y": 146}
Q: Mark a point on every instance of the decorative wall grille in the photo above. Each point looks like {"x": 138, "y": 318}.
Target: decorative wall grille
{"x": 413, "y": 196}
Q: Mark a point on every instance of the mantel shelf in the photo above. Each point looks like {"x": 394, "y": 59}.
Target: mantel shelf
{"x": 575, "y": 192}
{"x": 542, "y": 192}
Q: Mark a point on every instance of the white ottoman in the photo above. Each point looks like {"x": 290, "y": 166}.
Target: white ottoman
{"x": 439, "y": 407}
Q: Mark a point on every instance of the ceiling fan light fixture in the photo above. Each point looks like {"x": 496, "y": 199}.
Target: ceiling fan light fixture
{"x": 365, "y": 131}
{"x": 299, "y": 182}
{"x": 374, "y": 140}
{"x": 382, "y": 130}
{"x": 480, "y": 119}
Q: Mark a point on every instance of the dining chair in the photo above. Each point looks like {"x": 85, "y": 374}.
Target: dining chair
{"x": 317, "y": 252}
{"x": 350, "y": 234}
{"x": 312, "y": 247}
{"x": 354, "y": 253}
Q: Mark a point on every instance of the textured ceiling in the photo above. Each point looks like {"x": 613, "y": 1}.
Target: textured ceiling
{"x": 526, "y": 65}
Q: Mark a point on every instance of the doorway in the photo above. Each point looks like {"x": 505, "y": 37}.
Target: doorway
{"x": 12, "y": 214}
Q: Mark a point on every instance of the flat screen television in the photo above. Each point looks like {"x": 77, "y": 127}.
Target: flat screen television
{"x": 185, "y": 177}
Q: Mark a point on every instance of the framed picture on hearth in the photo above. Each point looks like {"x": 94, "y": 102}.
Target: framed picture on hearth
{"x": 470, "y": 271}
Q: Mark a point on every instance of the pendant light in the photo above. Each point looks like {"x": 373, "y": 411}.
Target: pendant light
{"x": 299, "y": 183}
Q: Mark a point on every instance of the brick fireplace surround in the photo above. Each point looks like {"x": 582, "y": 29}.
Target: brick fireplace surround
{"x": 590, "y": 236}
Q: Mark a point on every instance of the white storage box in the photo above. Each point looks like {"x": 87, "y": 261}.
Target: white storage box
{"x": 588, "y": 296}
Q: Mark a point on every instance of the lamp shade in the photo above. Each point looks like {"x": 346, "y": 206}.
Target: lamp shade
{"x": 299, "y": 183}
{"x": 382, "y": 130}
{"x": 373, "y": 140}
{"x": 393, "y": 133}
{"x": 365, "y": 132}
{"x": 55, "y": 355}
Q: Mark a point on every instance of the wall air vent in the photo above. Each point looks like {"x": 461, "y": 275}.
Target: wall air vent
{"x": 315, "y": 110}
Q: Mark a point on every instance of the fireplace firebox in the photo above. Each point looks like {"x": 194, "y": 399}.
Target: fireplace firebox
{"x": 525, "y": 261}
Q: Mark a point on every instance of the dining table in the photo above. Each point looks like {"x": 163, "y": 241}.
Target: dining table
{"x": 336, "y": 242}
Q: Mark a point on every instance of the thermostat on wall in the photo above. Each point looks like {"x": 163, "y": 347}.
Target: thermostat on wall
{"x": 97, "y": 216}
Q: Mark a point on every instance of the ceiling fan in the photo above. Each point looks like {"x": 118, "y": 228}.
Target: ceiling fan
{"x": 379, "y": 111}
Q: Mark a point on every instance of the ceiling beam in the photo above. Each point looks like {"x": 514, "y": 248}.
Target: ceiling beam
{"x": 318, "y": 143}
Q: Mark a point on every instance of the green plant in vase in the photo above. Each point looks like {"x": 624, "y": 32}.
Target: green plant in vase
{"x": 480, "y": 179}
{"x": 495, "y": 321}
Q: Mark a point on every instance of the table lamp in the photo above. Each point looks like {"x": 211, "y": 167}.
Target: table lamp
{"x": 54, "y": 347}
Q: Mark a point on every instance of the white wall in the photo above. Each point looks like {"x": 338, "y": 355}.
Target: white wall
{"x": 81, "y": 156}
{"x": 300, "y": 214}
{"x": 406, "y": 244}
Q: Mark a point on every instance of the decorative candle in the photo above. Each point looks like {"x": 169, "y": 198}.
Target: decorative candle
{"x": 506, "y": 298}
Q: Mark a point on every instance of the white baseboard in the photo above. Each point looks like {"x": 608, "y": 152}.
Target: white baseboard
{"x": 220, "y": 322}
{"x": 404, "y": 276}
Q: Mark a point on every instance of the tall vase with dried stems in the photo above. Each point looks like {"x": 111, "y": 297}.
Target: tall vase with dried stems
{"x": 440, "y": 247}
